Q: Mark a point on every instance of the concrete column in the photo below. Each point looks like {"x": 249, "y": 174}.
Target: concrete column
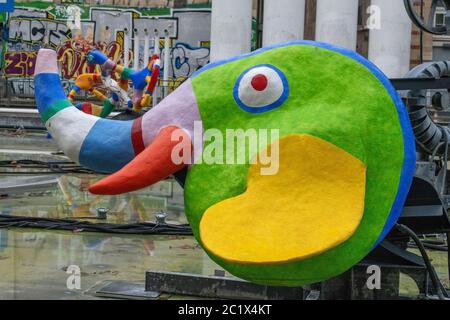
{"x": 156, "y": 45}
{"x": 146, "y": 48}
{"x": 231, "y": 28}
{"x": 126, "y": 48}
{"x": 284, "y": 20}
{"x": 166, "y": 64}
{"x": 337, "y": 22}
{"x": 157, "y": 51}
{"x": 136, "y": 52}
{"x": 390, "y": 40}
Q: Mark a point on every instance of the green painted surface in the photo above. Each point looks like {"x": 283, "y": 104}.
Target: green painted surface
{"x": 108, "y": 107}
{"x": 332, "y": 97}
{"x": 55, "y": 108}
{"x": 85, "y": 8}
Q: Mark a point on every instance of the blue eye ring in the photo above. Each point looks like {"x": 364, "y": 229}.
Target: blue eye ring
{"x": 261, "y": 109}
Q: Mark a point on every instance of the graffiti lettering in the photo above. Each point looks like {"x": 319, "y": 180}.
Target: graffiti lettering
{"x": 20, "y": 64}
{"x": 31, "y": 30}
{"x": 65, "y": 31}
{"x": 25, "y": 87}
{"x": 186, "y": 59}
{"x": 73, "y": 60}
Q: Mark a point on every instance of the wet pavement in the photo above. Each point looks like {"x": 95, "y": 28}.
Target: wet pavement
{"x": 67, "y": 197}
{"x": 33, "y": 263}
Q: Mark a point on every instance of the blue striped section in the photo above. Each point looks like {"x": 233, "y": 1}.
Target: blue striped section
{"x": 409, "y": 160}
{"x": 48, "y": 90}
{"x": 107, "y": 147}
{"x": 139, "y": 78}
{"x": 7, "y": 6}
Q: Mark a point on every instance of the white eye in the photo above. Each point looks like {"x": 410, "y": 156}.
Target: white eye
{"x": 261, "y": 88}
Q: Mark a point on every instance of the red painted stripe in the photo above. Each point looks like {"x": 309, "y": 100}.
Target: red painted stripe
{"x": 154, "y": 78}
{"x": 136, "y": 136}
{"x": 152, "y": 165}
{"x": 86, "y": 107}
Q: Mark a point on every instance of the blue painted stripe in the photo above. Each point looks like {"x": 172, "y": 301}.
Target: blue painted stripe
{"x": 409, "y": 160}
{"x": 7, "y": 6}
{"x": 48, "y": 90}
{"x": 138, "y": 78}
{"x": 107, "y": 147}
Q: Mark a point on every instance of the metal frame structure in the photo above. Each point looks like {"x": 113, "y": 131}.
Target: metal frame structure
{"x": 429, "y": 25}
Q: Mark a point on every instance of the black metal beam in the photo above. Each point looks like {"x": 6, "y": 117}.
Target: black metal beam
{"x": 216, "y": 287}
{"x": 420, "y": 83}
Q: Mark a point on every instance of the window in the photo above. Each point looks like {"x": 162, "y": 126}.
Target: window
{"x": 439, "y": 20}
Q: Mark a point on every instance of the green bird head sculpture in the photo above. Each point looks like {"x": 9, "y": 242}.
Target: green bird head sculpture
{"x": 302, "y": 155}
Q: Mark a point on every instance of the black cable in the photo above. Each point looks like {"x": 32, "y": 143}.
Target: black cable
{"x": 437, "y": 284}
{"x": 444, "y": 176}
{"x": 430, "y": 246}
{"x": 147, "y": 228}
{"x": 435, "y": 242}
{"x": 421, "y": 32}
{"x": 429, "y": 136}
{"x": 51, "y": 166}
{"x": 448, "y": 253}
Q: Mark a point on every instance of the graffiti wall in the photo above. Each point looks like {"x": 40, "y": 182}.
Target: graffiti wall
{"x": 72, "y": 31}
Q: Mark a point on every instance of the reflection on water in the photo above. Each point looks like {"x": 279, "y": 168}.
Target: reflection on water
{"x": 68, "y": 197}
{"x": 440, "y": 263}
{"x": 33, "y": 263}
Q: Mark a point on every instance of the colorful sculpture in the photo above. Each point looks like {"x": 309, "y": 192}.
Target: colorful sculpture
{"x": 346, "y": 157}
{"x": 143, "y": 79}
{"x": 89, "y": 82}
